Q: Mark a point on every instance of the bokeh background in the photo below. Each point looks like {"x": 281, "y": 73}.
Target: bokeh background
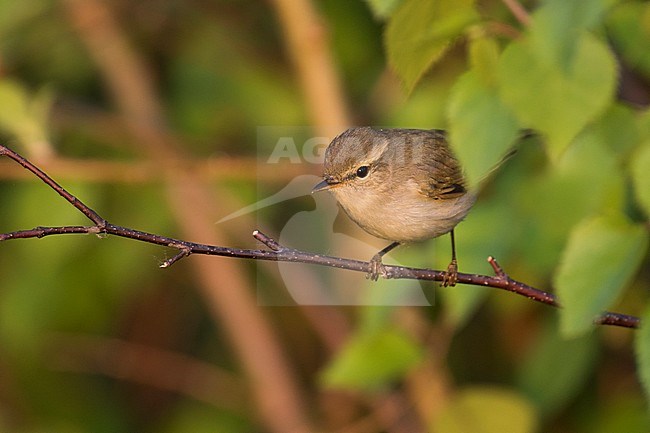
{"x": 150, "y": 112}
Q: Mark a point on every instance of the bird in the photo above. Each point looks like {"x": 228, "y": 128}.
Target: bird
{"x": 400, "y": 185}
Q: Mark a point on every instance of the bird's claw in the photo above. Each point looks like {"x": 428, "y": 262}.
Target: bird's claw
{"x": 376, "y": 268}
{"x": 451, "y": 275}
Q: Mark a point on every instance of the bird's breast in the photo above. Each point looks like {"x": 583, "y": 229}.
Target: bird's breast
{"x": 404, "y": 215}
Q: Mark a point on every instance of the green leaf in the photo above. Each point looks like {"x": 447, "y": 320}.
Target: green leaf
{"x": 620, "y": 128}
{"x": 24, "y": 115}
{"x": 13, "y": 14}
{"x": 602, "y": 254}
{"x": 555, "y": 369}
{"x": 553, "y": 203}
{"x": 556, "y": 102}
{"x": 556, "y": 27}
{"x": 372, "y": 360}
{"x": 481, "y": 128}
{"x": 629, "y": 28}
{"x": 383, "y": 8}
{"x": 641, "y": 176}
{"x": 420, "y": 32}
{"x": 642, "y": 348}
{"x": 486, "y": 410}
{"x": 484, "y": 58}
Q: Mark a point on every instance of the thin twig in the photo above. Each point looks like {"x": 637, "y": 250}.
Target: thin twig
{"x": 518, "y": 11}
{"x": 280, "y": 253}
{"x": 88, "y": 212}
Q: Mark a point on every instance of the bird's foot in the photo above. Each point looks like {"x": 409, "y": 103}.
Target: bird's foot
{"x": 451, "y": 275}
{"x": 376, "y": 268}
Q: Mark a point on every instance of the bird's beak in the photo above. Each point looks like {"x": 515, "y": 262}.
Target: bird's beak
{"x": 324, "y": 185}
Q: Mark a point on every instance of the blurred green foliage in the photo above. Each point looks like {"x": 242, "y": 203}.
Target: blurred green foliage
{"x": 482, "y": 409}
{"x": 569, "y": 211}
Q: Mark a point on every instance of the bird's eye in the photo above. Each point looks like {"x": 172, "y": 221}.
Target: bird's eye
{"x": 363, "y": 171}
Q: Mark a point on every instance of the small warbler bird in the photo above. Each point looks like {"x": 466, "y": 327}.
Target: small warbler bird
{"x": 402, "y": 185}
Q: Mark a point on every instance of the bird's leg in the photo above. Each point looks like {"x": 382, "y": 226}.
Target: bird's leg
{"x": 451, "y": 275}
{"x": 376, "y": 266}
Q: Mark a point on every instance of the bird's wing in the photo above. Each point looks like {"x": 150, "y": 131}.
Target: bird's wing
{"x": 444, "y": 179}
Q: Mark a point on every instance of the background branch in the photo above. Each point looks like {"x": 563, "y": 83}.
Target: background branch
{"x": 147, "y": 365}
{"x": 306, "y": 41}
{"x": 132, "y": 85}
{"x": 134, "y": 172}
{"x": 518, "y": 11}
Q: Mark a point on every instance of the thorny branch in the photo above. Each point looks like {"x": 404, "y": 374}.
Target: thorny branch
{"x": 277, "y": 252}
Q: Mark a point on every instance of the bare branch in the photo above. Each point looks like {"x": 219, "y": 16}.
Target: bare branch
{"x": 280, "y": 253}
{"x": 160, "y": 368}
{"x": 88, "y": 212}
{"x": 306, "y": 39}
{"x": 183, "y": 251}
{"x": 518, "y": 11}
{"x": 246, "y": 168}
